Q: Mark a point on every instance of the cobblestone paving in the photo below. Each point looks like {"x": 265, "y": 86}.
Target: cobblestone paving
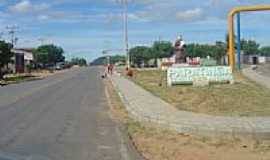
{"x": 145, "y": 107}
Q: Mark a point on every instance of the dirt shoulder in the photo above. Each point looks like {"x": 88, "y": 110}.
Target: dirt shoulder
{"x": 158, "y": 144}
{"x": 120, "y": 116}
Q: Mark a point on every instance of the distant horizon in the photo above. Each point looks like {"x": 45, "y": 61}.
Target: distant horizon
{"x": 85, "y": 28}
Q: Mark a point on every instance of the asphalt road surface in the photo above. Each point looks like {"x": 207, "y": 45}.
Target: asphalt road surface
{"x": 62, "y": 117}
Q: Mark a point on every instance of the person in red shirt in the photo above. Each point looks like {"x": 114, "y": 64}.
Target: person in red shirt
{"x": 110, "y": 69}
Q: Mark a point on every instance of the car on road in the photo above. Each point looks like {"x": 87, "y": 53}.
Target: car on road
{"x": 60, "y": 66}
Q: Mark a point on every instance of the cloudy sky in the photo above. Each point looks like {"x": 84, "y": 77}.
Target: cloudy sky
{"x": 86, "y": 27}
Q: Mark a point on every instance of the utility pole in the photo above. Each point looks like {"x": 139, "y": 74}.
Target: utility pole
{"x": 1, "y": 35}
{"x": 42, "y": 41}
{"x": 125, "y": 27}
{"x": 12, "y": 31}
{"x": 159, "y": 38}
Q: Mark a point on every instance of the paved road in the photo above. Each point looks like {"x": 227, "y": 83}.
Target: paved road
{"x": 261, "y": 76}
{"x": 63, "y": 117}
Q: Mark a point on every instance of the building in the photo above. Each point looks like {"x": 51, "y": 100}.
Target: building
{"x": 256, "y": 59}
{"x": 22, "y": 58}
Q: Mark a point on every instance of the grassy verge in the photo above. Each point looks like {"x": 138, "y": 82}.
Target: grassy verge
{"x": 158, "y": 144}
{"x": 18, "y": 79}
{"x": 244, "y": 98}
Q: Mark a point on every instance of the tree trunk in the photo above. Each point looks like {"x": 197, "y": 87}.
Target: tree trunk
{"x": 1, "y": 74}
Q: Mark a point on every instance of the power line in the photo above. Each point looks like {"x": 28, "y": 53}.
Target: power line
{"x": 12, "y": 31}
{"x": 42, "y": 41}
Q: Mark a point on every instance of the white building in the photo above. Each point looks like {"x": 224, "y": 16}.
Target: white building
{"x": 22, "y": 58}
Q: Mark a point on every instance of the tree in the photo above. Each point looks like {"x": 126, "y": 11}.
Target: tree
{"x": 118, "y": 58}
{"x": 99, "y": 61}
{"x": 216, "y": 51}
{"x": 140, "y": 54}
{"x": 5, "y": 55}
{"x": 49, "y": 54}
{"x": 41, "y": 57}
{"x": 114, "y": 59}
{"x": 250, "y": 47}
{"x": 162, "y": 49}
{"x": 265, "y": 51}
{"x": 196, "y": 50}
{"x": 219, "y": 50}
{"x": 79, "y": 61}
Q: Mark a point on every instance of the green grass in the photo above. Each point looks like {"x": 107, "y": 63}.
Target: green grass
{"x": 244, "y": 98}
{"x": 20, "y": 78}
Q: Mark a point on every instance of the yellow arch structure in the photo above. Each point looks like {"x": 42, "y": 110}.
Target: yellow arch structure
{"x": 231, "y": 52}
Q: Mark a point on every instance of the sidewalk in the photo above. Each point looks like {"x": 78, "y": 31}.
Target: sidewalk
{"x": 253, "y": 75}
{"x": 145, "y": 107}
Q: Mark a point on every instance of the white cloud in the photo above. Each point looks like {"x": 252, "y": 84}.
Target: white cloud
{"x": 190, "y": 15}
{"x": 43, "y": 17}
{"x": 26, "y": 6}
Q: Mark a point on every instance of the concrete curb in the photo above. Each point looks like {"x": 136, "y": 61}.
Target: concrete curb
{"x": 129, "y": 150}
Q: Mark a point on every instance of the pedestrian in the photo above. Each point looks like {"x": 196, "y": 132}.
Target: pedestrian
{"x": 110, "y": 69}
{"x": 129, "y": 72}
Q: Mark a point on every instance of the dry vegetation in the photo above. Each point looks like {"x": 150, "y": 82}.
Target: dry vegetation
{"x": 244, "y": 98}
{"x": 158, "y": 144}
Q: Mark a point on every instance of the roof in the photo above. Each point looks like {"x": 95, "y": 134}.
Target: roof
{"x": 27, "y": 52}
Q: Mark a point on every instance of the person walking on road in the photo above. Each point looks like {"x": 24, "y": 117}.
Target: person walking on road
{"x": 110, "y": 69}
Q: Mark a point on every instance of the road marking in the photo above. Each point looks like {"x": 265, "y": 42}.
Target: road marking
{"x": 104, "y": 147}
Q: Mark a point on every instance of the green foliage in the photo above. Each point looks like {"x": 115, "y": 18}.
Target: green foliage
{"x": 5, "y": 55}
{"x": 162, "y": 49}
{"x": 265, "y": 51}
{"x": 49, "y": 54}
{"x": 140, "y": 54}
{"x": 118, "y": 58}
{"x": 41, "y": 57}
{"x": 220, "y": 50}
{"x": 216, "y": 51}
{"x": 197, "y": 50}
{"x": 29, "y": 68}
{"x": 113, "y": 59}
{"x": 79, "y": 61}
{"x": 250, "y": 47}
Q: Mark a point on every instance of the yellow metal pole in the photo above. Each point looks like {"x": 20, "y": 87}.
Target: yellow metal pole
{"x": 231, "y": 52}
{"x": 231, "y": 41}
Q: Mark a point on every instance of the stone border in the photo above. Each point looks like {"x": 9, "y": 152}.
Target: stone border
{"x": 196, "y": 123}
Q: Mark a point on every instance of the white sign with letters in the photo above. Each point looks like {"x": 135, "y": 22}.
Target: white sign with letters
{"x": 186, "y": 75}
